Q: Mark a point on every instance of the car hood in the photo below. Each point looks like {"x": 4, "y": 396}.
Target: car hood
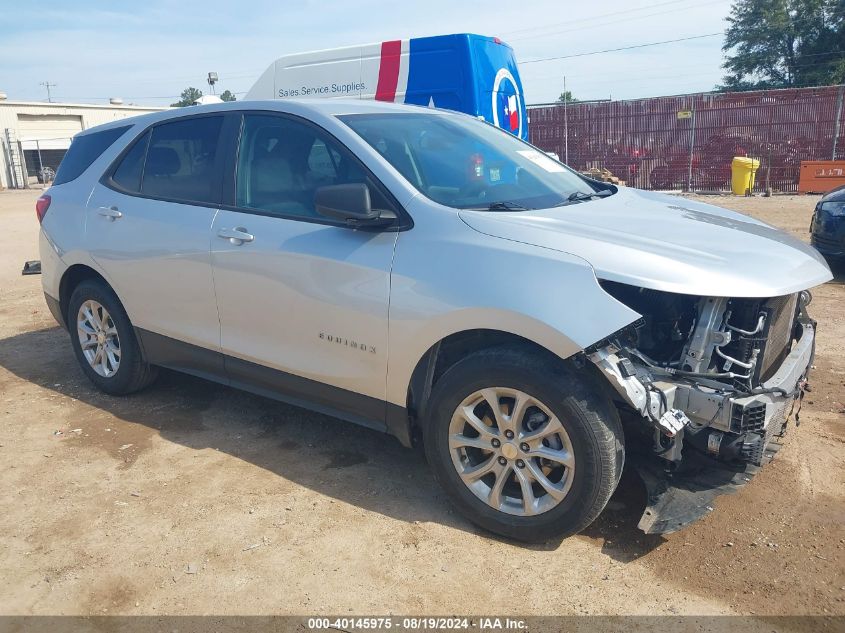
{"x": 666, "y": 243}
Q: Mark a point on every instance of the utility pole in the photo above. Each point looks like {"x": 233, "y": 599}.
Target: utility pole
{"x": 565, "y": 124}
{"x": 48, "y": 85}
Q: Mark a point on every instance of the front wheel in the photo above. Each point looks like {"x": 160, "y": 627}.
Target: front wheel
{"x": 525, "y": 446}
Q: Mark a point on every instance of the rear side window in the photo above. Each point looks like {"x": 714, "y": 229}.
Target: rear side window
{"x": 128, "y": 173}
{"x": 84, "y": 150}
{"x": 180, "y": 160}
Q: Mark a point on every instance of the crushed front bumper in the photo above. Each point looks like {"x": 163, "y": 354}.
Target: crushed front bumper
{"x": 683, "y": 491}
{"x": 752, "y": 413}
{"x": 676, "y": 499}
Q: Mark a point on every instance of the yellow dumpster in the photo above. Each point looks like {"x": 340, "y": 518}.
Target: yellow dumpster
{"x": 742, "y": 175}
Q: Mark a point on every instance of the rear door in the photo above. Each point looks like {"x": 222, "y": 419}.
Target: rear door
{"x": 148, "y": 227}
{"x": 303, "y": 301}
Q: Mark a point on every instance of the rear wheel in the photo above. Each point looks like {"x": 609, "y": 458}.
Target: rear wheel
{"x": 525, "y": 447}
{"x": 104, "y": 341}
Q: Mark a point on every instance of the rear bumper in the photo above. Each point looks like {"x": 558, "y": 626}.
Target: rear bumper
{"x": 52, "y": 265}
{"x": 55, "y": 309}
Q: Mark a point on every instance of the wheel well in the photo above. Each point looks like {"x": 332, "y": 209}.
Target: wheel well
{"x": 448, "y": 351}
{"x": 73, "y": 276}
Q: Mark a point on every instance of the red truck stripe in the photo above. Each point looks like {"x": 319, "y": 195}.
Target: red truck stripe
{"x": 388, "y": 72}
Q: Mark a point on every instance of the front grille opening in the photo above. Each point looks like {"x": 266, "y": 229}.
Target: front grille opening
{"x": 748, "y": 419}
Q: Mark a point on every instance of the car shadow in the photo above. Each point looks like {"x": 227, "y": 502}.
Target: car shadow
{"x": 341, "y": 460}
{"x": 837, "y": 267}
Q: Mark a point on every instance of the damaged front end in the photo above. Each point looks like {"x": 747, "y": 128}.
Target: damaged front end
{"x": 707, "y": 385}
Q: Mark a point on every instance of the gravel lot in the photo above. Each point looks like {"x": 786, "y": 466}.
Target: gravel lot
{"x": 191, "y": 498}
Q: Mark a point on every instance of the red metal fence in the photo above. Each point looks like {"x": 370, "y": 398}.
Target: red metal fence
{"x": 687, "y": 142}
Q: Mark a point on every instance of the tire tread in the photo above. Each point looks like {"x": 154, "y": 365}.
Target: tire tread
{"x": 598, "y": 424}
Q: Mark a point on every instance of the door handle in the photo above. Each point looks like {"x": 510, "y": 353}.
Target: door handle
{"x": 110, "y": 213}
{"x": 236, "y": 236}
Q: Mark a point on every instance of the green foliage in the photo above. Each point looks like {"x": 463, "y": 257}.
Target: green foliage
{"x": 784, "y": 43}
{"x": 566, "y": 97}
{"x": 228, "y": 95}
{"x": 188, "y": 96}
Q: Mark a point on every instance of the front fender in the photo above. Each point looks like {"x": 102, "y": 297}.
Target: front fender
{"x": 465, "y": 280}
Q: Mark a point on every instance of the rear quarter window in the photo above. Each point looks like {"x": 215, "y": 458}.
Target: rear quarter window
{"x": 127, "y": 175}
{"x": 84, "y": 150}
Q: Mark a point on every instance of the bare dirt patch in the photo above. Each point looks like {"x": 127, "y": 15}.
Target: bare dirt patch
{"x": 191, "y": 498}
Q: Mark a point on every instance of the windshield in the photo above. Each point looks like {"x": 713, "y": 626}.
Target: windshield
{"x": 468, "y": 164}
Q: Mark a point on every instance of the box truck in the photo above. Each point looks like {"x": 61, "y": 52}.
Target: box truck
{"x": 464, "y": 72}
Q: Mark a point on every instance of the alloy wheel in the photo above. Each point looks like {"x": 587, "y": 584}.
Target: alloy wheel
{"x": 511, "y": 451}
{"x": 98, "y": 338}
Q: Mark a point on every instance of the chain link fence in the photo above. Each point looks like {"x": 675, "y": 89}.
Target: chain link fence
{"x": 687, "y": 142}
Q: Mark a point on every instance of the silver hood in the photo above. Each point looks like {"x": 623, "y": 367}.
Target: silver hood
{"x": 666, "y": 243}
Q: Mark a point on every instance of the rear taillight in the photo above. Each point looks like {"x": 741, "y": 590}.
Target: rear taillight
{"x": 41, "y": 206}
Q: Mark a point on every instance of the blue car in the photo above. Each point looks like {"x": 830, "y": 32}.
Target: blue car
{"x": 827, "y": 228}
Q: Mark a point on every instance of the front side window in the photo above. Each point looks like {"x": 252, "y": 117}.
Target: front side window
{"x": 282, "y": 162}
{"x": 464, "y": 163}
{"x": 180, "y": 160}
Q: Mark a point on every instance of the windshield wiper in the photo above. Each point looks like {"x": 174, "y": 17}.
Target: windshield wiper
{"x": 581, "y": 196}
{"x": 505, "y": 206}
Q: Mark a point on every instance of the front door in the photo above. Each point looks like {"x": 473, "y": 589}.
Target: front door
{"x": 303, "y": 301}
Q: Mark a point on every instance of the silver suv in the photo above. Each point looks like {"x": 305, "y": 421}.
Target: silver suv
{"x": 423, "y": 273}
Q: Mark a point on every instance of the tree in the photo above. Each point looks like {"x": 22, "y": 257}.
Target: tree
{"x": 566, "y": 97}
{"x": 784, "y": 43}
{"x": 228, "y": 95}
{"x": 188, "y": 97}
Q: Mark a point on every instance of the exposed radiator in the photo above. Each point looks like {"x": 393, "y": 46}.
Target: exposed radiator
{"x": 773, "y": 343}
{"x": 781, "y": 324}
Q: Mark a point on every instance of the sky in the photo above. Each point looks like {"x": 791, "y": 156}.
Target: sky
{"x": 148, "y": 52}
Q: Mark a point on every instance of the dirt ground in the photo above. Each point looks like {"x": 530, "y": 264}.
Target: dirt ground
{"x": 191, "y": 498}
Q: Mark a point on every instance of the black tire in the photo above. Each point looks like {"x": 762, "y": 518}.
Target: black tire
{"x": 582, "y": 406}
{"x": 133, "y": 373}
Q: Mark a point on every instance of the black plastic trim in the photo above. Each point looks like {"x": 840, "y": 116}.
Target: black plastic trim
{"x": 192, "y": 359}
{"x": 55, "y": 309}
{"x": 306, "y": 393}
{"x": 276, "y": 384}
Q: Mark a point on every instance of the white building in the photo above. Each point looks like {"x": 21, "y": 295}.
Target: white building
{"x": 35, "y": 135}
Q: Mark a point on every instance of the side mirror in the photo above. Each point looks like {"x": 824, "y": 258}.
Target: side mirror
{"x": 349, "y": 203}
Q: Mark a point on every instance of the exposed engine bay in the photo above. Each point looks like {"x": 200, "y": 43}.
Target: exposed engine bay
{"x": 710, "y": 384}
